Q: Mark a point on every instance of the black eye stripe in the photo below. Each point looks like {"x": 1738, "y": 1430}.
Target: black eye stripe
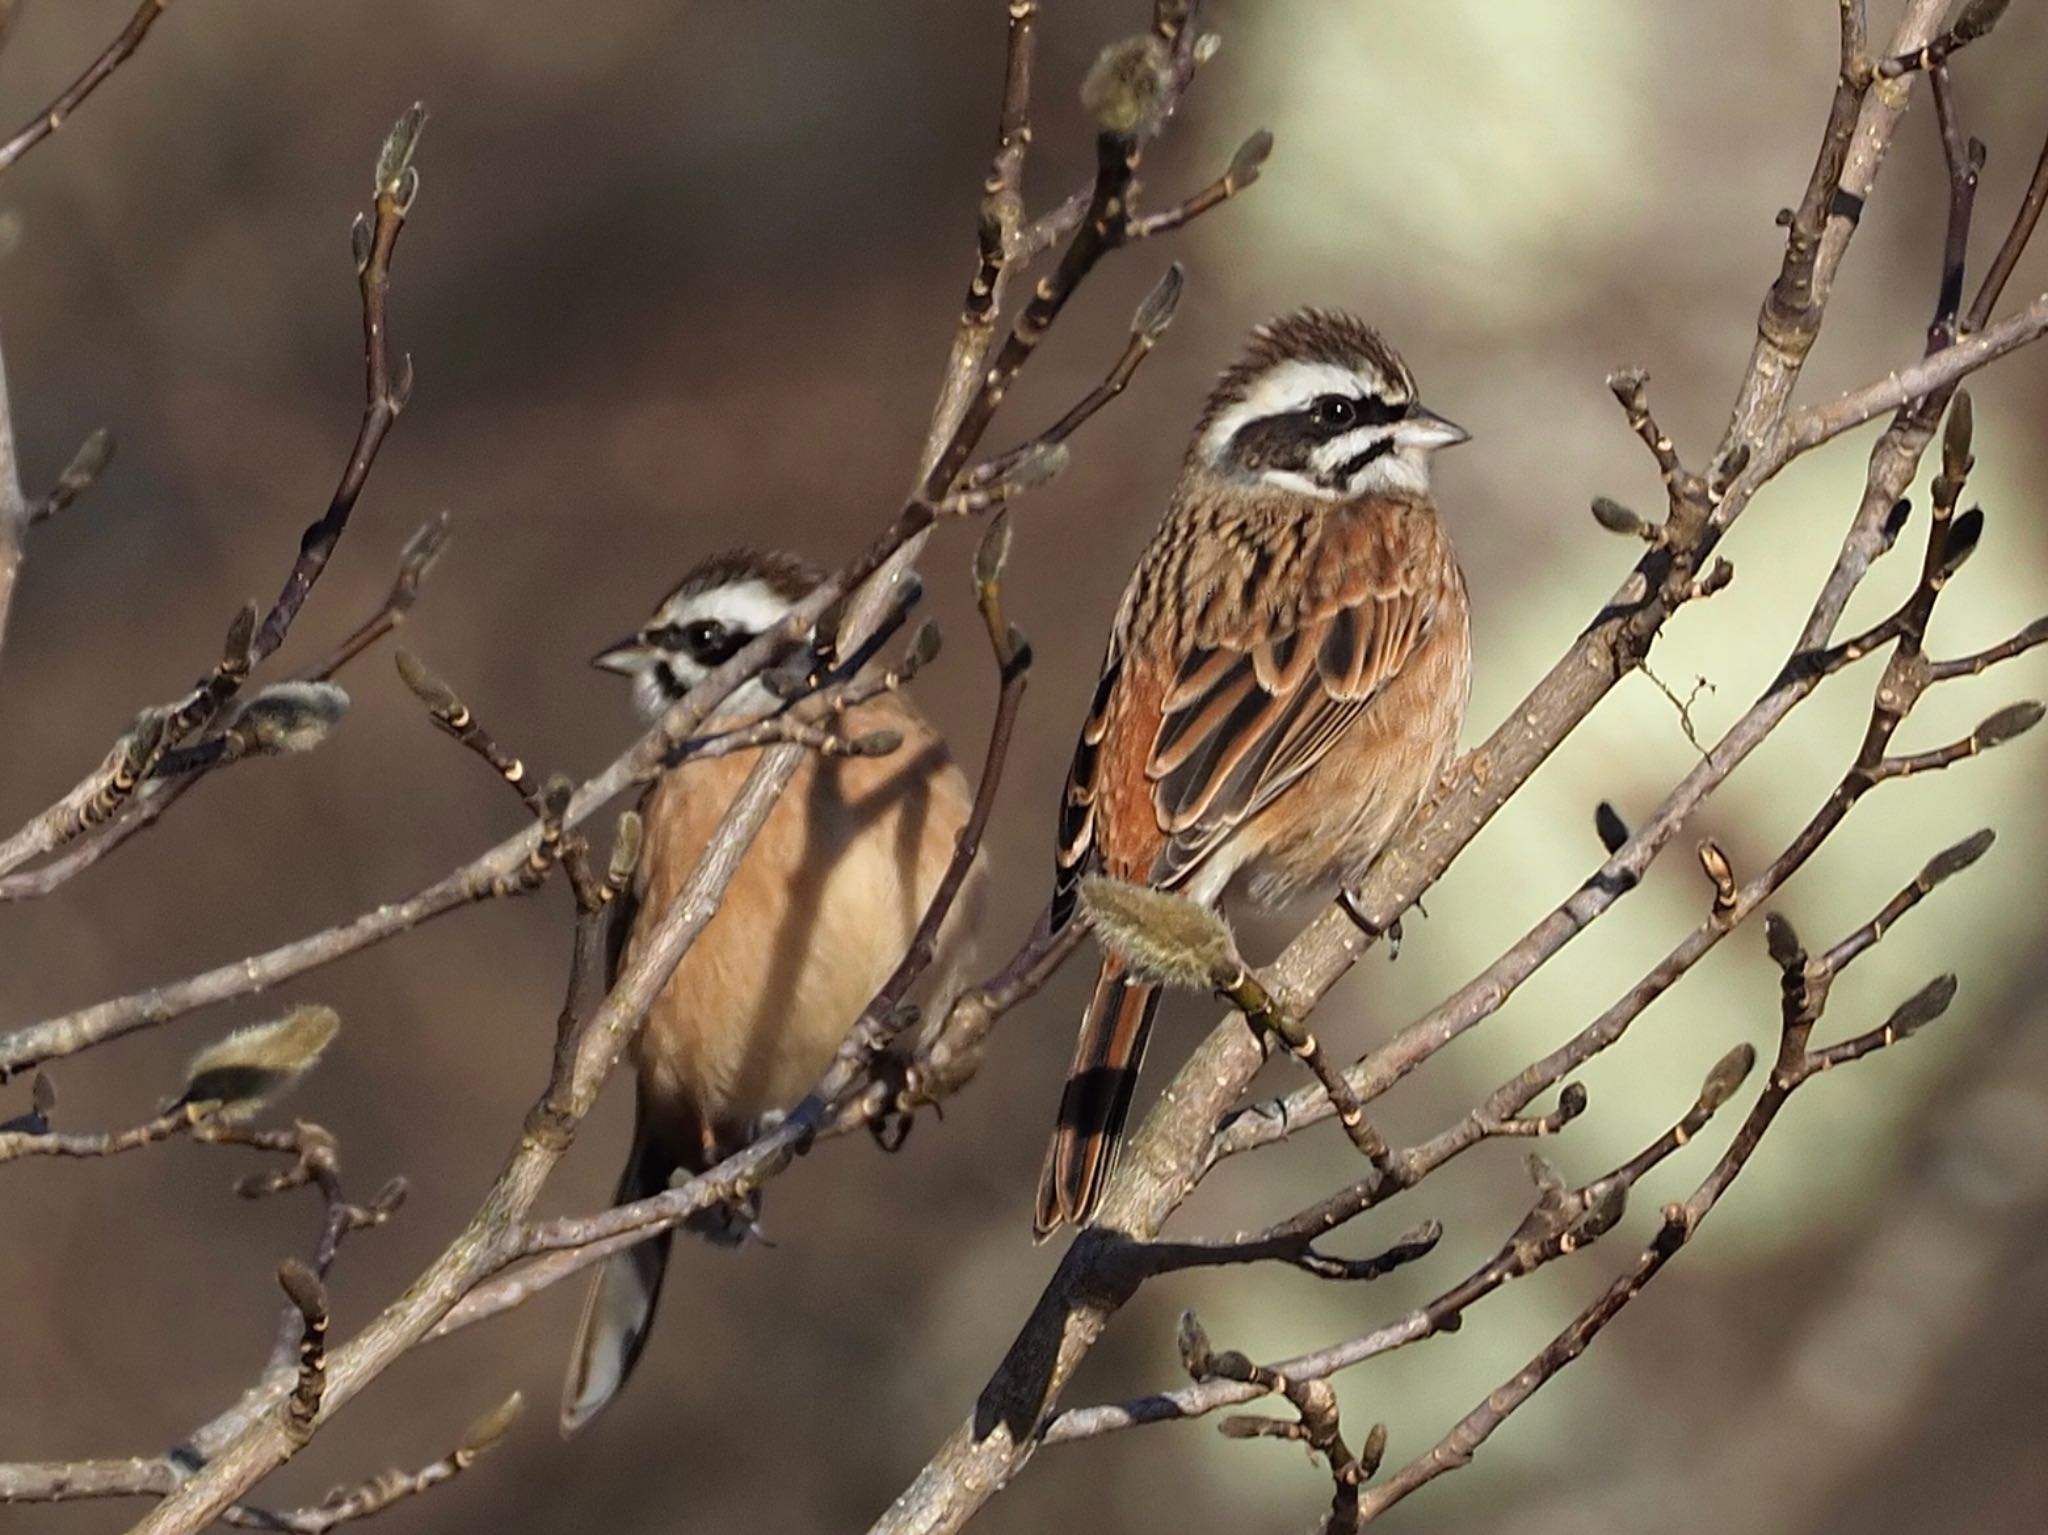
{"x": 705, "y": 640}
{"x": 1366, "y": 410}
{"x": 1288, "y": 441}
{"x": 712, "y": 643}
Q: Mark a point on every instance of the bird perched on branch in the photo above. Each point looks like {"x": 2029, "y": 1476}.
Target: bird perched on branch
{"x": 1285, "y": 680}
{"x": 818, "y": 914}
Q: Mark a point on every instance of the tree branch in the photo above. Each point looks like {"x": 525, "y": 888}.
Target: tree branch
{"x": 95, "y": 799}
{"x": 111, "y": 58}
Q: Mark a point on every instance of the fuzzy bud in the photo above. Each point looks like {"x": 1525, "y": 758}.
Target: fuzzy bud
{"x": 1249, "y": 160}
{"x": 1727, "y": 1077}
{"x": 1610, "y": 827}
{"x": 1162, "y": 938}
{"x": 1961, "y": 542}
{"x": 290, "y": 717}
{"x": 1783, "y": 943}
{"x": 1922, "y": 1008}
{"x": 1951, "y": 861}
{"x": 236, "y": 1078}
{"x": 2013, "y": 720}
{"x": 395, "y": 176}
{"x": 925, "y": 646}
{"x": 1128, "y": 86}
{"x": 421, "y": 551}
{"x": 1155, "y": 310}
{"x": 1976, "y": 19}
{"x": 426, "y": 687}
{"x": 876, "y": 743}
{"x": 1616, "y": 518}
{"x": 993, "y": 552}
{"x": 486, "y": 1431}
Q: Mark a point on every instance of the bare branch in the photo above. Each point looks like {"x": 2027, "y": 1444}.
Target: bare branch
{"x": 383, "y": 1490}
{"x": 94, "y": 800}
{"x": 1562, "y": 1221}
{"x": 1167, "y": 1154}
{"x": 1816, "y": 424}
{"x": 309, "y": 1297}
{"x": 79, "y": 476}
{"x": 14, "y": 508}
{"x": 825, "y": 655}
{"x": 158, "y": 794}
{"x": 111, "y": 58}
{"x": 1805, "y": 990}
{"x": 2012, "y": 246}
{"x": 1975, "y": 20}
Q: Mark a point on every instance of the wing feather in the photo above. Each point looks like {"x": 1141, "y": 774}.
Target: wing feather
{"x": 1077, "y": 804}
{"x": 1242, "y": 725}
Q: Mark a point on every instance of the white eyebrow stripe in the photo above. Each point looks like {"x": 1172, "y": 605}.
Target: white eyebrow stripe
{"x": 1291, "y": 386}
{"x": 750, "y": 605}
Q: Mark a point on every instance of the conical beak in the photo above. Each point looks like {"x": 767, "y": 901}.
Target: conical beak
{"x": 1427, "y": 430}
{"x": 628, "y": 658}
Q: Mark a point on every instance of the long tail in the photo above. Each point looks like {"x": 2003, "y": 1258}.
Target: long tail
{"x": 620, "y": 1309}
{"x": 1097, "y": 1100}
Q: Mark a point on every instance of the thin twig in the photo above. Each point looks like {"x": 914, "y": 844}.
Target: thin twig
{"x": 1809, "y": 428}
{"x": 846, "y": 1099}
{"x": 104, "y": 1143}
{"x": 875, "y": 573}
{"x": 111, "y": 58}
{"x": 95, "y": 799}
{"x": 309, "y": 1297}
{"x": 1894, "y": 695}
{"x": 1562, "y": 1221}
{"x": 154, "y": 799}
{"x": 2013, "y": 246}
{"x": 15, "y": 513}
{"x": 1167, "y": 1153}
{"x": 386, "y": 1488}
{"x": 255, "y": 1444}
{"x": 1805, "y": 991}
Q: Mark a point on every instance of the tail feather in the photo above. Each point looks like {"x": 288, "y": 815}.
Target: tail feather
{"x": 620, "y": 1309}
{"x": 1096, "y": 1101}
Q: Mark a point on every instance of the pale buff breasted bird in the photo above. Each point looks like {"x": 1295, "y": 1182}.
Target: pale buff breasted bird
{"x": 1285, "y": 680}
{"x": 817, "y": 916}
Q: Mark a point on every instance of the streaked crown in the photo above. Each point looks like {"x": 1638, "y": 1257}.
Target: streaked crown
{"x": 713, "y": 612}
{"x": 1320, "y": 404}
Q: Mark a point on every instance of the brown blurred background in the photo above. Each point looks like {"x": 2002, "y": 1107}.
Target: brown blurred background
{"x": 682, "y": 275}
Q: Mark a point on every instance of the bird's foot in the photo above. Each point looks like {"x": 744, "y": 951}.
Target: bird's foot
{"x": 891, "y": 1125}
{"x": 1348, "y": 901}
{"x": 730, "y": 1222}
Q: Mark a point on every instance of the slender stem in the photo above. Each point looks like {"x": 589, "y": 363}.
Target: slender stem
{"x": 111, "y": 58}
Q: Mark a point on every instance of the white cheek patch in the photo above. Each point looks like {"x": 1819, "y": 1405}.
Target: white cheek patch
{"x": 1289, "y": 387}
{"x": 1336, "y": 453}
{"x": 1403, "y": 470}
{"x": 750, "y": 607}
{"x": 650, "y": 699}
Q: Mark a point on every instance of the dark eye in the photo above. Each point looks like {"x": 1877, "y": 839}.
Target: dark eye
{"x": 705, "y": 641}
{"x": 709, "y": 642}
{"x": 1333, "y": 413}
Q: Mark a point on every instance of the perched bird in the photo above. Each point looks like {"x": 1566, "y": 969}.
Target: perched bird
{"x": 1285, "y": 679}
{"x": 818, "y": 914}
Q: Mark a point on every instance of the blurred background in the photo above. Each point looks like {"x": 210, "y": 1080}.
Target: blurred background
{"x": 684, "y": 276}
